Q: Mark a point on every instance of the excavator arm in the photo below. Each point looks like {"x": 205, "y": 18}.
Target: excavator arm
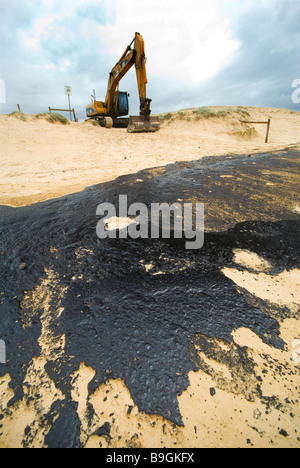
{"x": 132, "y": 56}
{"x": 120, "y": 69}
{"x": 141, "y": 75}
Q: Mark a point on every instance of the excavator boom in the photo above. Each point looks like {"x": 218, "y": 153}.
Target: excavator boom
{"x": 145, "y": 122}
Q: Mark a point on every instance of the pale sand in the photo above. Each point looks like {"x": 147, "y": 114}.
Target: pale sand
{"x": 40, "y": 160}
{"x": 234, "y": 417}
{"x": 283, "y": 289}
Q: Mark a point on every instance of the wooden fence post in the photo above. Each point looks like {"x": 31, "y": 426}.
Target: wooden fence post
{"x": 259, "y": 122}
{"x": 268, "y": 130}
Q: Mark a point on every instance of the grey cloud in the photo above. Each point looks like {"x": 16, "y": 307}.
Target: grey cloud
{"x": 264, "y": 67}
{"x": 94, "y": 13}
{"x": 27, "y": 80}
{"x": 17, "y": 14}
{"x": 260, "y": 74}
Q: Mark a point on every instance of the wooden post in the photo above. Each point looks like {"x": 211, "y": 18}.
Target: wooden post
{"x": 72, "y": 111}
{"x": 70, "y": 108}
{"x": 268, "y": 130}
{"x": 19, "y": 107}
{"x": 259, "y": 122}
{"x": 68, "y": 92}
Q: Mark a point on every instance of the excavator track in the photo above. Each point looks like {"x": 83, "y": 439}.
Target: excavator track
{"x": 106, "y": 122}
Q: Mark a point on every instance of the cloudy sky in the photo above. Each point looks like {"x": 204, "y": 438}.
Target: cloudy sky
{"x": 199, "y": 52}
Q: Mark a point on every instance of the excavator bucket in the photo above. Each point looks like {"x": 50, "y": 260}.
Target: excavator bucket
{"x": 139, "y": 124}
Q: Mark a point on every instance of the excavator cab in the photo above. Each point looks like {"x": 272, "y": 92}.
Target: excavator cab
{"x": 122, "y": 105}
{"x": 97, "y": 108}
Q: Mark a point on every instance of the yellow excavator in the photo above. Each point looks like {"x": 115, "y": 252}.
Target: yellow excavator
{"x": 109, "y": 113}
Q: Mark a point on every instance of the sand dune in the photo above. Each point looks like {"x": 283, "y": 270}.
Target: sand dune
{"x": 42, "y": 160}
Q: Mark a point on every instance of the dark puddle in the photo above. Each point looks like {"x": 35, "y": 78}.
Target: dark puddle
{"x": 126, "y": 322}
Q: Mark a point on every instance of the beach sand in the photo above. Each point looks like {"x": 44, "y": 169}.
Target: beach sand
{"x": 41, "y": 160}
{"x": 221, "y": 407}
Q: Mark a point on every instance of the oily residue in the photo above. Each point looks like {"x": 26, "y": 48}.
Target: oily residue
{"x": 109, "y": 341}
